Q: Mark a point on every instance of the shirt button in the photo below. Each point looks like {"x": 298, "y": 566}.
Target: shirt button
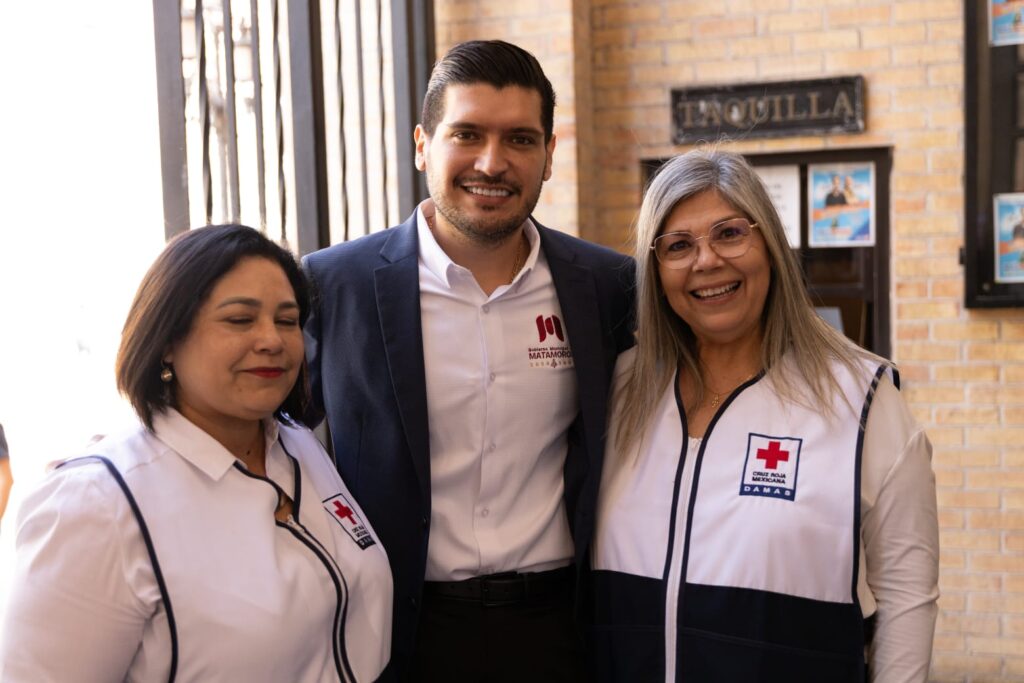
{"x": 493, "y": 447}
{"x": 492, "y": 376}
{"x": 485, "y": 308}
{"x": 425, "y": 522}
{"x": 485, "y": 512}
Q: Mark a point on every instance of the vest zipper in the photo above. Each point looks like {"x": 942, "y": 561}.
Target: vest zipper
{"x": 307, "y": 539}
{"x": 690, "y": 503}
{"x": 676, "y": 579}
{"x": 341, "y": 587}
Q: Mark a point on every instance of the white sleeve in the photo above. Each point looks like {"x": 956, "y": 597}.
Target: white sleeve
{"x": 901, "y": 539}
{"x": 74, "y": 613}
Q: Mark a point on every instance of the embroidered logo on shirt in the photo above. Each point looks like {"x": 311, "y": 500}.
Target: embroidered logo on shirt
{"x": 549, "y": 325}
{"x": 771, "y": 466}
{"x": 340, "y": 508}
{"x": 550, "y": 329}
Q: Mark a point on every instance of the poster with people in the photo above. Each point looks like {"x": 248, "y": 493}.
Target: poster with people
{"x": 1006, "y": 22}
{"x": 841, "y": 207}
{"x": 1009, "y": 237}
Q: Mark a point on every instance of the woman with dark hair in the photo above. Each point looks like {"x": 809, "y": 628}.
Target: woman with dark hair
{"x": 767, "y": 499}
{"x": 215, "y": 541}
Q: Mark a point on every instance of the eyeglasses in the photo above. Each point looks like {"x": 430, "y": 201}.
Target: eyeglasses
{"x": 728, "y": 239}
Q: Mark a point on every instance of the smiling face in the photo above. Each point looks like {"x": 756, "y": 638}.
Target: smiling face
{"x": 486, "y": 161}
{"x": 244, "y": 350}
{"x": 720, "y": 299}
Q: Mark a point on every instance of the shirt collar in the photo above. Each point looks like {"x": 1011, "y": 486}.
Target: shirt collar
{"x": 533, "y": 239}
{"x": 441, "y": 265}
{"x": 431, "y": 253}
{"x": 199, "y": 448}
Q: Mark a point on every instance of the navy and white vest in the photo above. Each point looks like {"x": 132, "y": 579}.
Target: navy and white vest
{"x": 734, "y": 558}
{"x": 236, "y": 591}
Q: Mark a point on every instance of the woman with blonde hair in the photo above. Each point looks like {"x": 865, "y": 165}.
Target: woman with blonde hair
{"x": 767, "y": 508}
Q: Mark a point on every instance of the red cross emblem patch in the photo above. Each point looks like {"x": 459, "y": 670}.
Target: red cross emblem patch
{"x": 771, "y": 466}
{"x": 343, "y": 512}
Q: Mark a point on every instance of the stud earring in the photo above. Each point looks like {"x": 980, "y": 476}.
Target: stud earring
{"x": 166, "y": 374}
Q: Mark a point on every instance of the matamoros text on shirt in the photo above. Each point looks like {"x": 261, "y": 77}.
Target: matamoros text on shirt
{"x": 554, "y": 351}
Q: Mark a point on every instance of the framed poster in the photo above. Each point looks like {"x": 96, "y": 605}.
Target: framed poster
{"x": 841, "y": 205}
{"x": 783, "y": 185}
{"x": 1006, "y": 22}
{"x": 1008, "y": 236}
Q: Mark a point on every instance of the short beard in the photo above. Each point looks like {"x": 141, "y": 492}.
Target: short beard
{"x": 486, "y": 232}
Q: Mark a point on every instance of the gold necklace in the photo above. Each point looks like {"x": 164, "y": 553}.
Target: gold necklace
{"x": 518, "y": 263}
{"x": 717, "y": 396}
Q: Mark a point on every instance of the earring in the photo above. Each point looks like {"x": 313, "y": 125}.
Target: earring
{"x": 166, "y": 375}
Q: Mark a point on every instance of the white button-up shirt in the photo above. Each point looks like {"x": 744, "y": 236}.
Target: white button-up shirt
{"x": 501, "y": 394}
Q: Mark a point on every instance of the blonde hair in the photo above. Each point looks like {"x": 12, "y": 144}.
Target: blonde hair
{"x": 790, "y": 325}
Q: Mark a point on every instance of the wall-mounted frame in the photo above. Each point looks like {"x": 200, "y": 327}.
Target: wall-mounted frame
{"x": 993, "y": 158}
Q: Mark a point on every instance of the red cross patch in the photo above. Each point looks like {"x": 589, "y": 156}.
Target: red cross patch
{"x": 771, "y": 466}
{"x": 343, "y": 512}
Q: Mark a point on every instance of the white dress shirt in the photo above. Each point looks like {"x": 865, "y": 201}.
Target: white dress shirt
{"x": 501, "y": 394}
{"x": 251, "y": 597}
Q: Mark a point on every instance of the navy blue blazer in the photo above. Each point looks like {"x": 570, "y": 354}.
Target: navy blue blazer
{"x": 364, "y": 345}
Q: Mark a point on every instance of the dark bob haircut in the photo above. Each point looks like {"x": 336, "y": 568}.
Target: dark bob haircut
{"x": 495, "y": 63}
{"x": 172, "y": 292}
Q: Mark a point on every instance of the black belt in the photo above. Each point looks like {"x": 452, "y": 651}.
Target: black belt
{"x": 504, "y": 589}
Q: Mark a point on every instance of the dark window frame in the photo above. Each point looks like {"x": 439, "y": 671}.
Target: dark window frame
{"x": 991, "y": 132}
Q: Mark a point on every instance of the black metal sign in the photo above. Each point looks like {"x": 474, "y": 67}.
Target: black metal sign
{"x": 824, "y": 105}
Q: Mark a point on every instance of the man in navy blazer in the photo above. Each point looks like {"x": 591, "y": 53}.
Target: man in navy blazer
{"x": 463, "y": 361}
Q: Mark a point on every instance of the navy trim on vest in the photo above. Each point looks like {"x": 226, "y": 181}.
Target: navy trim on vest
{"x": 694, "y": 485}
{"x": 868, "y": 400}
{"x": 793, "y": 623}
{"x": 341, "y": 662}
{"x": 267, "y": 480}
{"x": 295, "y": 515}
{"x": 696, "y": 471}
{"x": 628, "y": 632}
{"x": 676, "y": 486}
{"x": 150, "y": 550}
{"x": 627, "y": 600}
{"x": 340, "y": 656}
{"x": 340, "y": 584}
{"x": 297, "y": 476}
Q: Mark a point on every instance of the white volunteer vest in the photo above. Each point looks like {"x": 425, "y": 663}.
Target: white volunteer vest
{"x": 750, "y": 573}
{"x": 225, "y": 615}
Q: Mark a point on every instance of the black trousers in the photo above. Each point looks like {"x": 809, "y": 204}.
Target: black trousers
{"x": 535, "y": 640}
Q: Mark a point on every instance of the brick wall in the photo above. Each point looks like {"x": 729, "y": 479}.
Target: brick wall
{"x": 963, "y": 369}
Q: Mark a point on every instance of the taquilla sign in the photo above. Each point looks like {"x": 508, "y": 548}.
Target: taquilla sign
{"x": 826, "y": 105}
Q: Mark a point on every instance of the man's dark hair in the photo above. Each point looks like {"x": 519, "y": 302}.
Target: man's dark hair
{"x": 495, "y": 63}
{"x": 172, "y": 292}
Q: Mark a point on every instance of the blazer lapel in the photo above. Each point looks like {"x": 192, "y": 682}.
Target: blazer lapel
{"x": 577, "y": 297}
{"x": 397, "y": 288}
